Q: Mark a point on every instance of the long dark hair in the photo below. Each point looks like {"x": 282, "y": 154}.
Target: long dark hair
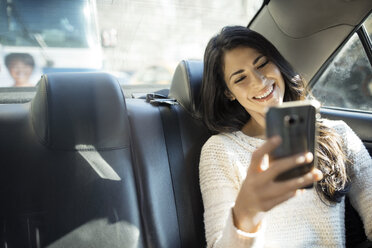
{"x": 220, "y": 114}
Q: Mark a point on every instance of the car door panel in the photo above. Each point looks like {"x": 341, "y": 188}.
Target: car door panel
{"x": 360, "y": 122}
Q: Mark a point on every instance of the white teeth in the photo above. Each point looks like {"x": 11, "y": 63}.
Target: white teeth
{"x": 267, "y": 92}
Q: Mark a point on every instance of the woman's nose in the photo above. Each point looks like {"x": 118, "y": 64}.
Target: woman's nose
{"x": 258, "y": 77}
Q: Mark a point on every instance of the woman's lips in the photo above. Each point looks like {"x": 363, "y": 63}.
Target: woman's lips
{"x": 267, "y": 95}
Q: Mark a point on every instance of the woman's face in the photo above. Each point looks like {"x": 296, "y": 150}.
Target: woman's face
{"x": 254, "y": 81}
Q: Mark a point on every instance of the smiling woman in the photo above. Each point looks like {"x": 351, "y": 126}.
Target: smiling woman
{"x": 251, "y": 65}
{"x": 111, "y": 159}
{"x": 244, "y": 74}
{"x": 256, "y": 87}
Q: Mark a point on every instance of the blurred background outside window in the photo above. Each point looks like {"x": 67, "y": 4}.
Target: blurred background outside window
{"x": 138, "y": 41}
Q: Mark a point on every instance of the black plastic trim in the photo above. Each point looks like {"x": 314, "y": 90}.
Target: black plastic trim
{"x": 264, "y": 3}
{"x": 366, "y": 42}
{"x": 360, "y": 122}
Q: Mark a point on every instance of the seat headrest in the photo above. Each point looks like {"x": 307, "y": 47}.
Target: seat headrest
{"x": 78, "y": 111}
{"x": 186, "y": 85}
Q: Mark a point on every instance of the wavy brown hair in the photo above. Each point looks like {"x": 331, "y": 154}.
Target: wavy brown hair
{"x": 222, "y": 115}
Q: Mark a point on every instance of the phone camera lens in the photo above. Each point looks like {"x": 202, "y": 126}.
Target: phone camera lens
{"x": 291, "y": 120}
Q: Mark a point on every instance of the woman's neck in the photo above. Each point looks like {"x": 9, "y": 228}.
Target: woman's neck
{"x": 254, "y": 129}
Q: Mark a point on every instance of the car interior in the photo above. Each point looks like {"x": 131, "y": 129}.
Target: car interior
{"x": 87, "y": 164}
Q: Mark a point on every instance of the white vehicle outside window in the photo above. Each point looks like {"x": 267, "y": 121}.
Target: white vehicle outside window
{"x": 57, "y": 35}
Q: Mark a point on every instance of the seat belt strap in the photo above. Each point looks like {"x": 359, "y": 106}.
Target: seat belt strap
{"x": 177, "y": 167}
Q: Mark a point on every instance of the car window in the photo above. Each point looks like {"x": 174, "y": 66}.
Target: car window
{"x": 347, "y": 81}
{"x": 138, "y": 41}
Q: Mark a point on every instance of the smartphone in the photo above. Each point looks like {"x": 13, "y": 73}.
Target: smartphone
{"x": 295, "y": 122}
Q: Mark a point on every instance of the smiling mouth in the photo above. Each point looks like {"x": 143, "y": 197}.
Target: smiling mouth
{"x": 267, "y": 94}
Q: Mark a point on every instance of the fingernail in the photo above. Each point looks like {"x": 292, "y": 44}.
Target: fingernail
{"x": 318, "y": 175}
{"x": 309, "y": 157}
{"x": 300, "y": 159}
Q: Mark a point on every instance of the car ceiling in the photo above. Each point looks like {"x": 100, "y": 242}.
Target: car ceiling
{"x": 307, "y": 33}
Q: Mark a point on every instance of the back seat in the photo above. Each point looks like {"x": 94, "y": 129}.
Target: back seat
{"x": 82, "y": 167}
{"x": 67, "y": 175}
{"x": 170, "y": 197}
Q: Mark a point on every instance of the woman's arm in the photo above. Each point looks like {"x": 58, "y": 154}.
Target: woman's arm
{"x": 219, "y": 184}
{"x": 233, "y": 213}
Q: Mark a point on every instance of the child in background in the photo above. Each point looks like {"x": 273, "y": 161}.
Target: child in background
{"x": 20, "y": 66}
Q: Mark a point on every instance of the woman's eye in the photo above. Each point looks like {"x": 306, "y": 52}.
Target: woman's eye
{"x": 263, "y": 64}
{"x": 240, "y": 79}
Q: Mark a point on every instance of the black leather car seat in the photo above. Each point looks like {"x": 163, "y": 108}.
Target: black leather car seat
{"x": 82, "y": 168}
{"x": 167, "y": 141}
{"x": 69, "y": 181}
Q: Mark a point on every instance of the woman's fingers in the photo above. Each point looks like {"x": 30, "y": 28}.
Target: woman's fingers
{"x": 259, "y": 153}
{"x": 273, "y": 201}
{"x": 277, "y": 189}
{"x": 318, "y": 175}
{"x": 260, "y": 186}
{"x": 282, "y": 165}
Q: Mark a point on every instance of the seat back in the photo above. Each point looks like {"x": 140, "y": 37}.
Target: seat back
{"x": 170, "y": 195}
{"x": 69, "y": 179}
{"x": 82, "y": 167}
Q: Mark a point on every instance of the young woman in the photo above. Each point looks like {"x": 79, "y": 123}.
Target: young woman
{"x": 244, "y": 74}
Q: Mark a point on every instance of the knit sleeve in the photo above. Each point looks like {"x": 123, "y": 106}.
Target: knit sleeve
{"x": 360, "y": 173}
{"x": 219, "y": 183}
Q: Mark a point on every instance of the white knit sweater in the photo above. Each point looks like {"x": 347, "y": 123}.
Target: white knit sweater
{"x": 302, "y": 221}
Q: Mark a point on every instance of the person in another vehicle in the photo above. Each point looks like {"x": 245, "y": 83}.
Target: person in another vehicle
{"x": 20, "y": 66}
{"x": 244, "y": 74}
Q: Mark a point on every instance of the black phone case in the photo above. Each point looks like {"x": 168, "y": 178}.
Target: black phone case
{"x": 296, "y": 124}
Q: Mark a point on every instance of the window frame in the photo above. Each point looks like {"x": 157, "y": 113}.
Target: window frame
{"x": 362, "y": 33}
{"x": 366, "y": 41}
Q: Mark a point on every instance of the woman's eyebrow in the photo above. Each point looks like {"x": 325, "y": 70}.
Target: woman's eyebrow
{"x": 237, "y": 72}
{"x": 257, "y": 59}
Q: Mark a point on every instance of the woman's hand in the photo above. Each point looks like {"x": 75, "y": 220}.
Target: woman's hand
{"x": 260, "y": 193}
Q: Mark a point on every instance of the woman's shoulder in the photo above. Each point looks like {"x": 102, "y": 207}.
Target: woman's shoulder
{"x": 217, "y": 142}
{"x": 215, "y": 154}
{"x": 351, "y": 142}
{"x": 218, "y": 138}
{"x": 231, "y": 142}
{"x": 338, "y": 125}
{"x": 230, "y": 139}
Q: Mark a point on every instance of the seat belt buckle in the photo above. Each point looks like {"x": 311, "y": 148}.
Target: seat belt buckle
{"x": 159, "y": 99}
